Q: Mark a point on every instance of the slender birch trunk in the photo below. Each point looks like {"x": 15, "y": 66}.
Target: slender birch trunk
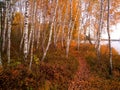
{"x": 5, "y": 27}
{"x": 55, "y": 32}
{"x": 57, "y": 27}
{"x": 21, "y": 28}
{"x": 71, "y": 32}
{"x": 109, "y": 38}
{"x": 32, "y": 26}
{"x": 70, "y": 25}
{"x": 60, "y": 21}
{"x": 22, "y": 40}
{"x": 0, "y": 36}
{"x": 0, "y": 23}
{"x": 26, "y": 23}
{"x": 63, "y": 32}
{"x": 33, "y": 30}
{"x": 9, "y": 30}
{"x": 80, "y": 25}
{"x": 100, "y": 29}
{"x": 73, "y": 27}
{"x": 38, "y": 35}
{"x": 50, "y": 34}
{"x": 32, "y": 47}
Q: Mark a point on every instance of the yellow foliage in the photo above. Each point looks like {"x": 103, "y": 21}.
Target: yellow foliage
{"x": 104, "y": 50}
{"x": 18, "y": 18}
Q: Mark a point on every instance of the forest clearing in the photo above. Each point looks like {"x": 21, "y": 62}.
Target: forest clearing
{"x": 57, "y": 45}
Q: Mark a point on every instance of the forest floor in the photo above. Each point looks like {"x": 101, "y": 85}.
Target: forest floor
{"x": 91, "y": 77}
{"x": 80, "y": 81}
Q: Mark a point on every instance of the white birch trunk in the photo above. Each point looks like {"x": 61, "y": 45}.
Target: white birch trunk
{"x": 0, "y": 22}
{"x": 22, "y": 40}
{"x": 70, "y": 25}
{"x": 32, "y": 47}
{"x": 50, "y": 34}
{"x": 0, "y": 36}
{"x": 5, "y": 27}
{"x": 9, "y": 31}
{"x": 109, "y": 38}
{"x": 71, "y": 32}
{"x": 33, "y": 30}
{"x": 38, "y": 35}
{"x": 100, "y": 29}
{"x": 80, "y": 24}
{"x": 63, "y": 36}
{"x": 30, "y": 37}
{"x": 55, "y": 32}
{"x": 26, "y": 23}
{"x": 59, "y": 24}
{"x": 73, "y": 25}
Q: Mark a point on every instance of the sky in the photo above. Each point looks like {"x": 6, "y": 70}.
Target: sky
{"x": 115, "y": 34}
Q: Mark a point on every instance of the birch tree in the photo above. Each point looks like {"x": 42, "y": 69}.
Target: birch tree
{"x": 2, "y": 9}
{"x": 0, "y": 22}
{"x": 9, "y": 29}
{"x": 51, "y": 31}
{"x": 80, "y": 24}
{"x": 26, "y": 23}
{"x": 64, "y": 24}
{"x": 57, "y": 26}
{"x": 99, "y": 29}
{"x": 39, "y": 30}
{"x": 0, "y": 34}
{"x": 5, "y": 26}
{"x": 109, "y": 38}
{"x": 69, "y": 27}
{"x": 33, "y": 30}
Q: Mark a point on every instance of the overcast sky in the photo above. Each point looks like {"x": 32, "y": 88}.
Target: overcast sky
{"x": 115, "y": 34}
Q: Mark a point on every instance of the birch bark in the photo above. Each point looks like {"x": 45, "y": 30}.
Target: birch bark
{"x": 100, "y": 29}
{"x": 80, "y": 25}
{"x": 9, "y": 30}
{"x": 109, "y": 38}
{"x": 5, "y": 26}
{"x": 33, "y": 30}
{"x": 26, "y": 23}
{"x": 68, "y": 34}
{"x": 50, "y": 34}
{"x": 64, "y": 23}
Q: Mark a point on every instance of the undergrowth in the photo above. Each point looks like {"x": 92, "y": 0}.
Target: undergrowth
{"x": 54, "y": 73}
{"x": 102, "y": 80}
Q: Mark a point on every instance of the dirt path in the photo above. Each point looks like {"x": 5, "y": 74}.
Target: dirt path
{"x": 80, "y": 81}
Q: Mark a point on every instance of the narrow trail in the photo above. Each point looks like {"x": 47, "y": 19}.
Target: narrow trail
{"x": 80, "y": 81}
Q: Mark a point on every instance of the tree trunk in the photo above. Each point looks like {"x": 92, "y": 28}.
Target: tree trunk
{"x": 70, "y": 26}
{"x": 80, "y": 24}
{"x": 33, "y": 30}
{"x": 22, "y": 40}
{"x": 99, "y": 30}
{"x": 109, "y": 38}
{"x": 0, "y": 36}
{"x": 26, "y": 23}
{"x": 0, "y": 23}
{"x": 50, "y": 34}
{"x": 5, "y": 27}
{"x": 38, "y": 35}
{"x": 64, "y": 23}
{"x": 9, "y": 30}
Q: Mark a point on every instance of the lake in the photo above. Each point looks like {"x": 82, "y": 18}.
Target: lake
{"x": 115, "y": 44}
